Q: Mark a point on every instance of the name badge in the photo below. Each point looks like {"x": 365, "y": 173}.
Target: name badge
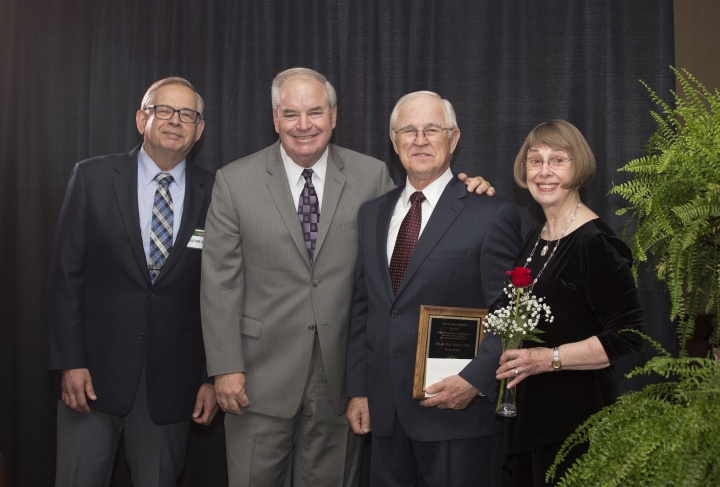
{"x": 196, "y": 241}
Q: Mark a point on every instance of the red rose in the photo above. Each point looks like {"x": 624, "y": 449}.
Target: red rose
{"x": 520, "y": 277}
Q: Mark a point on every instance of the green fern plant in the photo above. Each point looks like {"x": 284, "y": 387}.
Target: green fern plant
{"x": 667, "y": 434}
{"x": 674, "y": 199}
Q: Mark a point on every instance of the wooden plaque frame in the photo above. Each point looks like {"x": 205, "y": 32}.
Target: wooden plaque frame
{"x": 432, "y": 319}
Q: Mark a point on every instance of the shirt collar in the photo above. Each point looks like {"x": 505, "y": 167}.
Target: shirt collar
{"x": 294, "y": 171}
{"x": 432, "y": 191}
{"x": 147, "y": 169}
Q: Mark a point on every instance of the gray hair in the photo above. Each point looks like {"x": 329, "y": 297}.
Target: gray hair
{"x": 284, "y": 76}
{"x": 450, "y": 117}
{"x": 173, "y": 80}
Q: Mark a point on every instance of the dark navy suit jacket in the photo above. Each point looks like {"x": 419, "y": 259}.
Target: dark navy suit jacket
{"x": 103, "y": 313}
{"x": 460, "y": 259}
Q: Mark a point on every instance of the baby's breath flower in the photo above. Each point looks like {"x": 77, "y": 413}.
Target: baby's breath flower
{"x": 519, "y": 319}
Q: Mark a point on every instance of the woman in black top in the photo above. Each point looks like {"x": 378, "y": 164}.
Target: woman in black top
{"x": 583, "y": 271}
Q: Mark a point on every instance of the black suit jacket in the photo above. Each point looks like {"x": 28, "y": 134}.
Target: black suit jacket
{"x": 460, "y": 259}
{"x": 103, "y": 313}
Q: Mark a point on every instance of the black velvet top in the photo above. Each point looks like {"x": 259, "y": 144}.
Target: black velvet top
{"x": 591, "y": 292}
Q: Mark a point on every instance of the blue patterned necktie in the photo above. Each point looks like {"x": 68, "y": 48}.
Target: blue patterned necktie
{"x": 161, "y": 225}
{"x": 309, "y": 212}
{"x": 406, "y": 239}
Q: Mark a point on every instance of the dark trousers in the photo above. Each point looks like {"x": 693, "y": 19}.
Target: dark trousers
{"x": 528, "y": 469}
{"x": 399, "y": 461}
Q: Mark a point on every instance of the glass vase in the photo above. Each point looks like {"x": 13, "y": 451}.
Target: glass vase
{"x": 506, "y": 405}
{"x": 506, "y": 401}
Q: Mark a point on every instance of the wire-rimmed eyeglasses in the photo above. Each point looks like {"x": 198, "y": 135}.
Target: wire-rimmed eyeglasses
{"x": 430, "y": 133}
{"x": 553, "y": 162}
{"x": 165, "y": 112}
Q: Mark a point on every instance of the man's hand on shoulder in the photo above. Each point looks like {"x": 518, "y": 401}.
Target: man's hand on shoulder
{"x": 205, "y": 405}
{"x": 230, "y": 392}
{"x": 477, "y": 184}
{"x": 76, "y": 389}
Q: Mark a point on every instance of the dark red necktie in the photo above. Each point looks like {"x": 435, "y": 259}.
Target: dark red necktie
{"x": 406, "y": 239}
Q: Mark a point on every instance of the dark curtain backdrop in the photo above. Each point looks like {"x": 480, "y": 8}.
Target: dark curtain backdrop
{"x": 73, "y": 72}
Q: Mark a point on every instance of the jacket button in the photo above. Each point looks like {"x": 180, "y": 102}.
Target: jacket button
{"x": 151, "y": 294}
{"x": 141, "y": 336}
{"x": 315, "y": 283}
{"x": 394, "y": 313}
{"x": 311, "y": 326}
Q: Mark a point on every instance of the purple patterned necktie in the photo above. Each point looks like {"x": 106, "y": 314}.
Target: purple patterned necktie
{"x": 309, "y": 212}
{"x": 161, "y": 225}
{"x": 406, "y": 239}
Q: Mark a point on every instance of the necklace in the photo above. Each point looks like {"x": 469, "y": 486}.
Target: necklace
{"x": 562, "y": 232}
{"x": 545, "y": 248}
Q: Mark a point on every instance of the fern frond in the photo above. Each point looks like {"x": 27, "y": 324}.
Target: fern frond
{"x": 665, "y": 434}
{"x": 674, "y": 199}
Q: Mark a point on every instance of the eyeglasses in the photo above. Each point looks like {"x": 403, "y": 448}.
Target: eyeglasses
{"x": 554, "y": 162}
{"x": 164, "y": 112}
{"x": 431, "y": 134}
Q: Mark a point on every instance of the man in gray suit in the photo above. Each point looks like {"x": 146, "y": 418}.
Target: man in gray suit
{"x": 465, "y": 245}
{"x": 277, "y": 278}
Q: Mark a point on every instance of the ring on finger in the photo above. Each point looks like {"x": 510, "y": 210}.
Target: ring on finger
{"x": 516, "y": 370}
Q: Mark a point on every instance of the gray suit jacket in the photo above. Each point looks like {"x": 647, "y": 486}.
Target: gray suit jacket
{"x": 262, "y": 299}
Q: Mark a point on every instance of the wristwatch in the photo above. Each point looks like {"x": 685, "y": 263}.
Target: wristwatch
{"x": 556, "y": 362}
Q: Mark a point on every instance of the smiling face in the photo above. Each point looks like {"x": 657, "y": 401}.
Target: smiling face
{"x": 304, "y": 120}
{"x": 168, "y": 142}
{"x": 545, "y": 183}
{"x": 424, "y": 160}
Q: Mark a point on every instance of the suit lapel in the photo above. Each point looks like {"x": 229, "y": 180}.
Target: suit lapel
{"x": 334, "y": 183}
{"x": 383, "y": 226}
{"x": 125, "y": 184}
{"x": 277, "y": 184}
{"x": 447, "y": 210}
{"x": 192, "y": 207}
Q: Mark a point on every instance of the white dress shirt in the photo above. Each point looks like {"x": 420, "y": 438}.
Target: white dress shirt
{"x": 432, "y": 194}
{"x": 297, "y": 181}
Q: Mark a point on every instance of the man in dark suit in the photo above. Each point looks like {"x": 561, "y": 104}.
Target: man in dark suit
{"x": 465, "y": 245}
{"x": 123, "y": 300}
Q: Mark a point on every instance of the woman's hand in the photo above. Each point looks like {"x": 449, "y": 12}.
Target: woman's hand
{"x": 587, "y": 354}
{"x": 519, "y": 364}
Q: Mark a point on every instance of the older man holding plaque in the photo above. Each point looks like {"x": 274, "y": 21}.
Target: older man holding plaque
{"x": 433, "y": 244}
